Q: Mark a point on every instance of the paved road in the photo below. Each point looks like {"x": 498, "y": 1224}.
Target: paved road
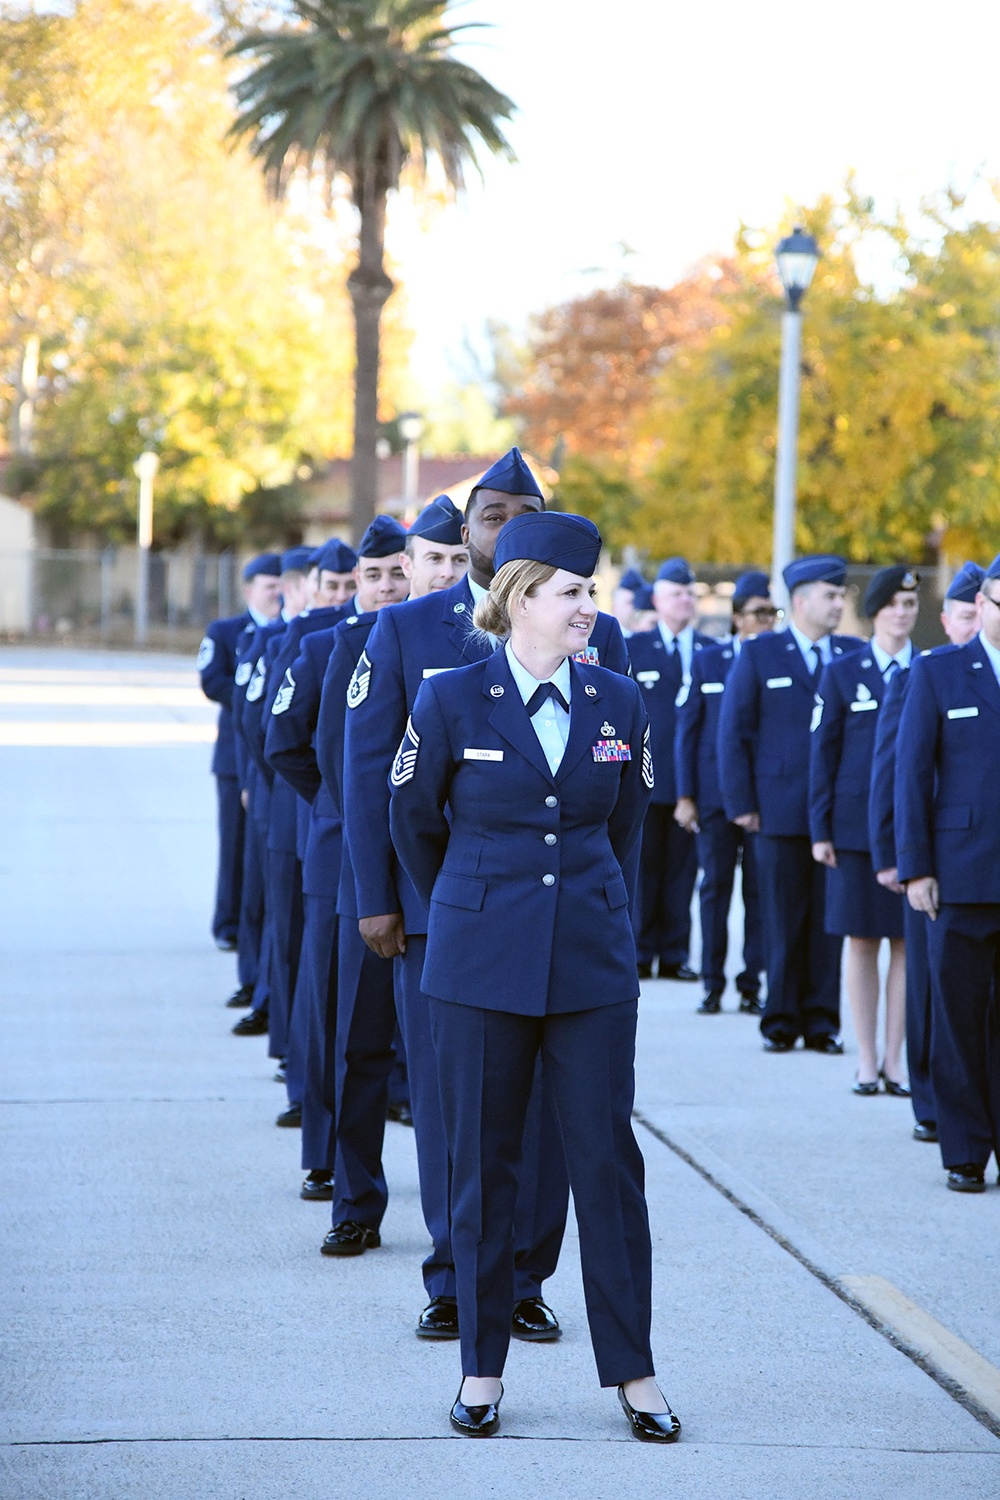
{"x": 171, "y": 1329}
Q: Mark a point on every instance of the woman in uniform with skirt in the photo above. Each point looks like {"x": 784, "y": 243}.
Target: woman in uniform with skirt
{"x": 858, "y": 907}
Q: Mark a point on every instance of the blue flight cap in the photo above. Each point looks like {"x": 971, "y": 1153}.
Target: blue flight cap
{"x": 265, "y": 562}
{"x": 441, "y": 521}
{"x": 632, "y": 579}
{"x": 511, "y": 476}
{"x": 993, "y": 571}
{"x": 561, "y": 540}
{"x": 383, "y": 537}
{"x": 750, "y": 586}
{"x": 819, "y": 567}
{"x": 965, "y": 585}
{"x": 334, "y": 556}
{"x": 297, "y": 560}
{"x": 675, "y": 570}
{"x": 642, "y": 597}
{"x": 885, "y": 583}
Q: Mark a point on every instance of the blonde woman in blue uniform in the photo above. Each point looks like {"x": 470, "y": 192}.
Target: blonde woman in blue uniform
{"x": 518, "y": 796}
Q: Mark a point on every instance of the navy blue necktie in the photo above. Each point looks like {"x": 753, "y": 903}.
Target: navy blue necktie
{"x": 818, "y": 668}
{"x": 544, "y": 691}
{"x": 890, "y": 670}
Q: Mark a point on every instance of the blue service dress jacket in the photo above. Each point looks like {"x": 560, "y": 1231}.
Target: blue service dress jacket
{"x": 218, "y": 657}
{"x": 660, "y": 676}
{"x": 521, "y": 868}
{"x": 882, "y": 791}
{"x": 947, "y": 786}
{"x": 851, "y": 692}
{"x": 767, "y": 710}
{"x": 696, "y": 754}
{"x": 410, "y": 643}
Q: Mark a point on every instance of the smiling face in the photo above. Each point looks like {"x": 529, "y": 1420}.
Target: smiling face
{"x": 381, "y": 581}
{"x": 487, "y": 512}
{"x": 554, "y": 622}
{"x": 433, "y": 566}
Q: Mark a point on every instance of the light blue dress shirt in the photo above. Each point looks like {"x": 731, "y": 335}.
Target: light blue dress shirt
{"x": 551, "y": 722}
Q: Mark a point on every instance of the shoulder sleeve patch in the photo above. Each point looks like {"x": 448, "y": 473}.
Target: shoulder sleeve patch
{"x": 405, "y": 764}
{"x": 285, "y": 694}
{"x": 357, "y": 690}
{"x": 256, "y": 684}
{"x": 647, "y": 761}
{"x": 206, "y": 653}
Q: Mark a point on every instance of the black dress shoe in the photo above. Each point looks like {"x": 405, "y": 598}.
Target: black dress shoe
{"x": 897, "y": 1090}
{"x": 318, "y": 1187}
{"x": 240, "y": 998}
{"x": 925, "y": 1130}
{"x": 650, "y": 1426}
{"x": 439, "y": 1319}
{"x": 711, "y": 1005}
{"x": 867, "y": 1089}
{"x": 778, "y": 1044}
{"x": 254, "y": 1023}
{"x": 400, "y": 1112}
{"x": 751, "y": 1006}
{"x": 226, "y": 944}
{"x": 677, "y": 971}
{"x": 645, "y": 971}
{"x": 280, "y": 1074}
{"x": 534, "y": 1322}
{"x": 292, "y": 1117}
{"x": 829, "y": 1045}
{"x": 475, "y": 1421}
{"x": 967, "y": 1178}
{"x": 350, "y": 1238}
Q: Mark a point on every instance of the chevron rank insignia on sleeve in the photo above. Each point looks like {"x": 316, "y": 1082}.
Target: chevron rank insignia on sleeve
{"x": 206, "y": 651}
{"x": 405, "y": 763}
{"x": 285, "y": 694}
{"x": 256, "y": 686}
{"x": 647, "y": 761}
{"x": 357, "y": 690}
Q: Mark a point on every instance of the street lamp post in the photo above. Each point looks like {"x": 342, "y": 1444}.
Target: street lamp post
{"x": 411, "y": 430}
{"x": 797, "y": 256}
{"x": 145, "y": 469}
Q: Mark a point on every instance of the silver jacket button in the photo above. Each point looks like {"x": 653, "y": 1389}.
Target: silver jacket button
{"x": 548, "y": 880}
{"x": 550, "y": 838}
{"x": 552, "y": 802}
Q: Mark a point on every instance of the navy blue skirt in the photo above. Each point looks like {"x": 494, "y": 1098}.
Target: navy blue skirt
{"x": 856, "y": 905}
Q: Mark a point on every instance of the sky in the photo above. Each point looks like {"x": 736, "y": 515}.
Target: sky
{"x": 660, "y": 126}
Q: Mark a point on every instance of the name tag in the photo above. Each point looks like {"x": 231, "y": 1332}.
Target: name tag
{"x": 479, "y": 754}
{"x": 963, "y": 713}
{"x": 712, "y": 687}
{"x": 776, "y": 682}
{"x": 433, "y": 671}
{"x": 606, "y": 750}
{"x": 647, "y": 678}
{"x": 863, "y": 707}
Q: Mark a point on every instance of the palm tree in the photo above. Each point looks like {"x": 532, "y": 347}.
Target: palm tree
{"x": 361, "y": 90}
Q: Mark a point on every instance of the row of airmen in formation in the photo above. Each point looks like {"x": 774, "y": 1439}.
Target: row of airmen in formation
{"x": 837, "y": 772}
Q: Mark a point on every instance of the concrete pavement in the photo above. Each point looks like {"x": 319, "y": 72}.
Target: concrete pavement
{"x": 171, "y": 1329}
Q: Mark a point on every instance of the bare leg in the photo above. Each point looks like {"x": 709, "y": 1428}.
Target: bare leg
{"x": 645, "y": 1395}
{"x": 862, "y": 992}
{"x": 895, "y": 1010}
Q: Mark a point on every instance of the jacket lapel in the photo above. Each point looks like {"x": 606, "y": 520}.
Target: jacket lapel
{"x": 979, "y": 671}
{"x": 585, "y": 719}
{"x": 797, "y": 669}
{"x": 509, "y": 714}
{"x": 457, "y": 617}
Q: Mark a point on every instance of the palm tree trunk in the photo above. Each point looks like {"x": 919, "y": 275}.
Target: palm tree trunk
{"x": 370, "y": 288}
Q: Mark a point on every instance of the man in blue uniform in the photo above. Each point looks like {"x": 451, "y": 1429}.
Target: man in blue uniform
{"x": 960, "y": 620}
{"x": 662, "y": 661}
{"x": 947, "y": 816}
{"x": 291, "y": 751}
{"x": 699, "y": 808}
{"x": 217, "y": 667}
{"x": 767, "y": 710}
{"x": 411, "y": 642}
{"x": 852, "y": 691}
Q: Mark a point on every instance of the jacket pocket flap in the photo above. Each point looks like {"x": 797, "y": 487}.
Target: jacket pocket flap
{"x": 953, "y": 817}
{"x": 459, "y": 890}
{"x": 615, "y": 893}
